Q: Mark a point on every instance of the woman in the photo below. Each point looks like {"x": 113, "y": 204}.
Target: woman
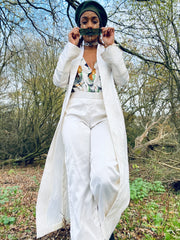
{"x": 85, "y": 180}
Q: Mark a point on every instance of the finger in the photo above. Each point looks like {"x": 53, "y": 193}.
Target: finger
{"x": 110, "y": 30}
{"x": 75, "y": 34}
{"x": 106, "y": 31}
{"x": 74, "y": 30}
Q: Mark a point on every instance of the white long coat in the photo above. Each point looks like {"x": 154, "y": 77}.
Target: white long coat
{"x": 52, "y": 203}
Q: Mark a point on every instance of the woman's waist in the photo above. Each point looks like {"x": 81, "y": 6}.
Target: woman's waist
{"x": 88, "y": 95}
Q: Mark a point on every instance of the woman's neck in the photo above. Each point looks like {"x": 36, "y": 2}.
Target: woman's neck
{"x": 91, "y": 44}
{"x": 90, "y": 48}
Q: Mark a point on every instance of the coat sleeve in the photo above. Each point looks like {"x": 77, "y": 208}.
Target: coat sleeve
{"x": 112, "y": 55}
{"x": 62, "y": 71}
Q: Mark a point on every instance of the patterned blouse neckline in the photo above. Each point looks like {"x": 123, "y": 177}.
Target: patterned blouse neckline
{"x": 87, "y": 79}
{"x": 85, "y": 64}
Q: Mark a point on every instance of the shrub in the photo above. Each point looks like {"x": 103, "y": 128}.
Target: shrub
{"x": 140, "y": 188}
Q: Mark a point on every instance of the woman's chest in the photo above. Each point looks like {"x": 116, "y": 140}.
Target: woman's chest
{"x": 90, "y": 58}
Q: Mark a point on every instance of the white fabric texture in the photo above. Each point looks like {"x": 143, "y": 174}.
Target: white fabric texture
{"x": 52, "y": 203}
{"x": 92, "y": 168}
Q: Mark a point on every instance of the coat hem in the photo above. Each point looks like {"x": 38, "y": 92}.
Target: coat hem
{"x": 42, "y": 233}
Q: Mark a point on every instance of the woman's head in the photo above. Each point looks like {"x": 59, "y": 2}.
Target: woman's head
{"x": 93, "y": 7}
{"x": 89, "y": 20}
{"x": 90, "y": 15}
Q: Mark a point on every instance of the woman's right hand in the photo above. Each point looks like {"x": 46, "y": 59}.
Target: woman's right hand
{"x": 74, "y": 36}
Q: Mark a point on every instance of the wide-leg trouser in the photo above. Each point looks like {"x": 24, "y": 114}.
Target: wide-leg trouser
{"x": 92, "y": 169}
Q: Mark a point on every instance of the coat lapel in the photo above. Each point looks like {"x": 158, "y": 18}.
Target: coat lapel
{"x": 74, "y": 66}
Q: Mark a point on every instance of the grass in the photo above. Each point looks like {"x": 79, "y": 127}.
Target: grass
{"x": 153, "y": 212}
{"x": 154, "y": 217}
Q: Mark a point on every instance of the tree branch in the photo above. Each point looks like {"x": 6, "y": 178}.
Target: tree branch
{"x": 68, "y": 8}
{"x": 133, "y": 53}
{"x": 73, "y": 4}
{"x": 167, "y": 165}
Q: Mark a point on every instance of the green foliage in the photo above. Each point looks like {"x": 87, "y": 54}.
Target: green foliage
{"x": 157, "y": 217}
{"x": 8, "y": 192}
{"x": 140, "y": 188}
{"x": 10, "y": 237}
{"x": 7, "y": 195}
{"x": 36, "y": 181}
{"x": 7, "y": 220}
{"x": 11, "y": 171}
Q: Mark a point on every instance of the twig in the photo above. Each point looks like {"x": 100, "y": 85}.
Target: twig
{"x": 164, "y": 164}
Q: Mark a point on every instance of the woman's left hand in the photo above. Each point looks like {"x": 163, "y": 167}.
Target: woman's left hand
{"x": 108, "y": 36}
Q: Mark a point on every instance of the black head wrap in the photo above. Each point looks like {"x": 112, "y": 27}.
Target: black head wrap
{"x": 94, "y": 7}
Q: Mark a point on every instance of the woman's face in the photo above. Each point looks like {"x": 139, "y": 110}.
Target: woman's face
{"x": 90, "y": 20}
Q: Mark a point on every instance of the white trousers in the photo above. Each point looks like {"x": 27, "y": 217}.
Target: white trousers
{"x": 92, "y": 169}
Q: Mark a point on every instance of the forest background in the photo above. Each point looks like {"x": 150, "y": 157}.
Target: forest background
{"x": 33, "y": 33}
{"x": 32, "y": 36}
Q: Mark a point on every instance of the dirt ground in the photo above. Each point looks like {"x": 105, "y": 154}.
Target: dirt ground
{"x": 21, "y": 206}
{"x": 28, "y": 180}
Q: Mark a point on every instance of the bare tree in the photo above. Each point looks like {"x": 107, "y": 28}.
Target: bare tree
{"x": 34, "y": 105}
{"x": 147, "y": 31}
{"x": 20, "y": 18}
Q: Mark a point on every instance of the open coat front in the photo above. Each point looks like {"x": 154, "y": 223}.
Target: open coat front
{"x": 52, "y": 203}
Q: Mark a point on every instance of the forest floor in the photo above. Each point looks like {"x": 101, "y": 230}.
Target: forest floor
{"x": 155, "y": 216}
